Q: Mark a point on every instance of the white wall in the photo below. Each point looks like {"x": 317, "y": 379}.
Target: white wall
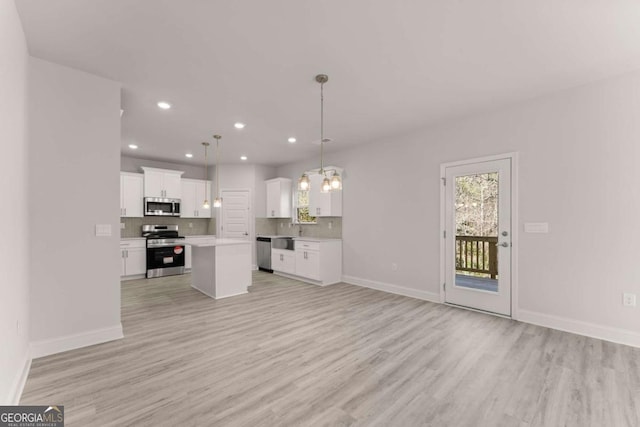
{"x": 74, "y": 157}
{"x": 578, "y": 151}
{"x": 191, "y": 171}
{"x": 251, "y": 177}
{"x": 14, "y": 285}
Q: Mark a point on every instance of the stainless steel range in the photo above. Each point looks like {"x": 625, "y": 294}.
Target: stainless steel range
{"x": 165, "y": 250}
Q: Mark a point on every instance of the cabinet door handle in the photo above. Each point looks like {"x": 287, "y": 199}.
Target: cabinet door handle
{"x": 125, "y": 211}
{"x": 273, "y": 213}
{"x": 281, "y": 259}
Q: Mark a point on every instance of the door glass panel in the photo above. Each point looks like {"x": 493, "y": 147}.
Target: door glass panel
{"x": 476, "y": 224}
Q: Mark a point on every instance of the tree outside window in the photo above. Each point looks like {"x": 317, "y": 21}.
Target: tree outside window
{"x": 302, "y": 208}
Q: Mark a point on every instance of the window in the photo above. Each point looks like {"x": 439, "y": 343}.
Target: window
{"x": 302, "y": 208}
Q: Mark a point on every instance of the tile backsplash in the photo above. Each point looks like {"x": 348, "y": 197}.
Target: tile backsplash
{"x": 326, "y": 227}
{"x": 186, "y": 226}
{"x": 266, "y": 226}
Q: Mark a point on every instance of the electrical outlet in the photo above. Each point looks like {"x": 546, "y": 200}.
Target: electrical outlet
{"x": 282, "y": 225}
{"x": 122, "y": 226}
{"x": 394, "y": 266}
{"x": 190, "y": 225}
{"x": 330, "y": 225}
{"x": 629, "y": 300}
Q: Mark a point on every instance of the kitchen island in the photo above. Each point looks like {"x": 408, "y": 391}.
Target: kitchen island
{"x": 221, "y": 268}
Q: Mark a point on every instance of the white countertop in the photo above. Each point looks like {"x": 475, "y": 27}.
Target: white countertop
{"x": 133, "y": 238}
{"x": 219, "y": 242}
{"x": 316, "y": 239}
{"x": 201, "y": 236}
{"x": 303, "y": 238}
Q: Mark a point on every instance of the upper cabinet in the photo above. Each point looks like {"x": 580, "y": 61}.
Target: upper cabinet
{"x": 323, "y": 204}
{"x": 131, "y": 193}
{"x": 278, "y": 198}
{"x": 162, "y": 183}
{"x": 194, "y": 192}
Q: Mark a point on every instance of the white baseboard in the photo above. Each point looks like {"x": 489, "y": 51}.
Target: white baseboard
{"x": 392, "y": 289}
{"x": 232, "y": 295}
{"x": 18, "y": 383}
{"x": 134, "y": 277}
{"x": 71, "y": 342}
{"x": 620, "y": 336}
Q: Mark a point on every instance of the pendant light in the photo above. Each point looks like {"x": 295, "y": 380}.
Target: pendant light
{"x": 335, "y": 183}
{"x": 205, "y": 204}
{"x": 217, "y": 202}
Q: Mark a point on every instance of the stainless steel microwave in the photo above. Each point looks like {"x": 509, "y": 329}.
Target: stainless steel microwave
{"x": 154, "y": 206}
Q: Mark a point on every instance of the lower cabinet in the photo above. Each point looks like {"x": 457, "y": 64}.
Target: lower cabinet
{"x": 308, "y": 263}
{"x": 187, "y": 248}
{"x": 314, "y": 260}
{"x": 133, "y": 257}
{"x": 283, "y": 260}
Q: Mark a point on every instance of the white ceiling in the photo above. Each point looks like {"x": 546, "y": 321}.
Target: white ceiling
{"x": 393, "y": 65}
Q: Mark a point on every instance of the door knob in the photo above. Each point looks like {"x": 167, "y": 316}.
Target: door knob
{"x": 503, "y": 244}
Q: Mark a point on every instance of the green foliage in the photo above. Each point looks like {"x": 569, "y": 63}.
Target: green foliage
{"x": 477, "y": 205}
{"x": 302, "y": 208}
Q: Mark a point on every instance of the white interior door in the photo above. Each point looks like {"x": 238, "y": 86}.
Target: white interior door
{"x": 478, "y": 235}
{"x": 235, "y": 214}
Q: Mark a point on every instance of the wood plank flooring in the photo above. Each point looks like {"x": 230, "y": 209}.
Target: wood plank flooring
{"x": 292, "y": 354}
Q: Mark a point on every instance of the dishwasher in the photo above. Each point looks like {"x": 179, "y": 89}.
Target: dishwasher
{"x": 263, "y": 246}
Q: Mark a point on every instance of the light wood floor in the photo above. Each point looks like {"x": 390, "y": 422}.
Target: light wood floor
{"x": 295, "y": 354}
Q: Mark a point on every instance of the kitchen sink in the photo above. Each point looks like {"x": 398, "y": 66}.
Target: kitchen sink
{"x": 283, "y": 243}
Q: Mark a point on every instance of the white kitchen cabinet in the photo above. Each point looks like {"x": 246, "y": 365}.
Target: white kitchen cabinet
{"x": 308, "y": 264}
{"x": 131, "y": 194}
{"x": 278, "y": 198}
{"x": 283, "y": 260}
{"x": 193, "y": 195}
{"x": 317, "y": 261}
{"x": 162, "y": 183}
{"x": 323, "y": 204}
{"x": 133, "y": 254}
{"x": 187, "y": 248}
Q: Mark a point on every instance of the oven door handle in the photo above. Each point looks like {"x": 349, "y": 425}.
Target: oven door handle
{"x": 165, "y": 245}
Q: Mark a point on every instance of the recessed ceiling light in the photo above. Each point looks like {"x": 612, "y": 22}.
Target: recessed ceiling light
{"x": 189, "y": 155}
{"x": 239, "y": 125}
{"x": 292, "y": 140}
{"x": 164, "y": 105}
{"x": 243, "y": 157}
{"x": 133, "y": 146}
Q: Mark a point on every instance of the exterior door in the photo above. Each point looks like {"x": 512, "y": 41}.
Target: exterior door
{"x": 478, "y": 235}
{"x": 235, "y": 214}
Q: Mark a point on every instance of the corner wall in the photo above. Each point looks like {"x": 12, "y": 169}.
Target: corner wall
{"x": 578, "y": 155}
{"x": 74, "y": 159}
{"x": 14, "y": 285}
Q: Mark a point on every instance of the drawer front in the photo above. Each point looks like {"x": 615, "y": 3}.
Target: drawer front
{"x": 125, "y": 244}
{"x": 311, "y": 246}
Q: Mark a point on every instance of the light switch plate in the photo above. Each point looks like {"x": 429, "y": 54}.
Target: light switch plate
{"x": 103, "y": 230}
{"x": 536, "y": 227}
{"x": 629, "y": 300}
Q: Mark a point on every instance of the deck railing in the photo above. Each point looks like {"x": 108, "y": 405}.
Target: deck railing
{"x": 477, "y": 254}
